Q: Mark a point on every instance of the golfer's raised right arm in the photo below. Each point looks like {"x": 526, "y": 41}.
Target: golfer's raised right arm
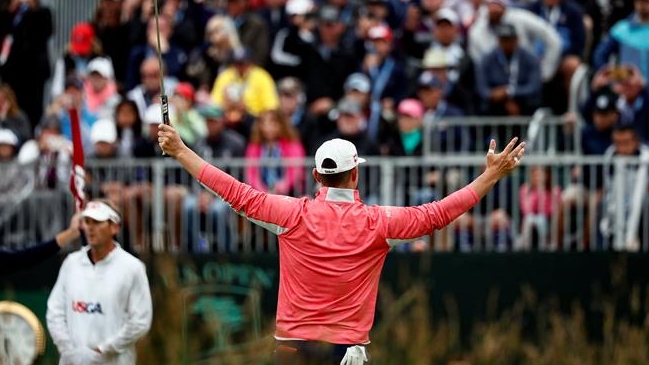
{"x": 172, "y": 145}
{"x": 266, "y": 208}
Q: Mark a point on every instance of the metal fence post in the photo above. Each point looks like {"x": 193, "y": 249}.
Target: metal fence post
{"x": 620, "y": 203}
{"x": 158, "y": 206}
{"x": 387, "y": 182}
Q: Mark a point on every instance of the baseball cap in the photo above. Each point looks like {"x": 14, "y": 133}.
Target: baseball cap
{"x": 380, "y": 32}
{"x": 435, "y": 58}
{"x": 505, "y": 30}
{"x": 210, "y": 111}
{"x": 411, "y": 107}
{"x": 102, "y": 66}
{"x": 289, "y": 85}
{"x": 329, "y": 14}
{"x": 101, "y": 212}
{"x": 447, "y": 14}
{"x": 81, "y": 39}
{"x": 7, "y": 136}
{"x": 359, "y": 82}
{"x": 349, "y": 105}
{"x": 103, "y": 130}
{"x": 606, "y": 102}
{"x": 429, "y": 80}
{"x": 73, "y": 81}
{"x": 342, "y": 153}
{"x": 503, "y": 3}
{"x": 185, "y": 89}
{"x": 299, "y": 7}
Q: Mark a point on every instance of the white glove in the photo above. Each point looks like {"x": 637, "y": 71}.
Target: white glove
{"x": 355, "y": 355}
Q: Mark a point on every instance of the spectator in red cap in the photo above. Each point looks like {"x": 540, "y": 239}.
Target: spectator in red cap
{"x": 82, "y": 39}
{"x": 388, "y": 76}
{"x": 189, "y": 123}
{"x": 82, "y": 48}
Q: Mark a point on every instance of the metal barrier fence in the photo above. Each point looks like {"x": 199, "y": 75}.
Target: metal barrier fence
{"x": 543, "y": 131}
{"x": 583, "y": 203}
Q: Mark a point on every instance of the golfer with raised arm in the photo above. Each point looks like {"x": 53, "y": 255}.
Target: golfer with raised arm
{"x": 332, "y": 248}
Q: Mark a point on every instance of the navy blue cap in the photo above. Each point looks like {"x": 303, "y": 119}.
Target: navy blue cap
{"x": 430, "y": 80}
{"x": 505, "y": 30}
{"x": 241, "y": 54}
{"x": 606, "y": 102}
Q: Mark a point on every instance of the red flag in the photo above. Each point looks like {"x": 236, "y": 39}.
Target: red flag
{"x": 78, "y": 173}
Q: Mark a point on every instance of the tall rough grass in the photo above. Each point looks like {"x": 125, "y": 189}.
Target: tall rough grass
{"x": 530, "y": 332}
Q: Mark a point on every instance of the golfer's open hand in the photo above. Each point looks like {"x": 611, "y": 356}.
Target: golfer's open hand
{"x": 169, "y": 140}
{"x": 506, "y": 161}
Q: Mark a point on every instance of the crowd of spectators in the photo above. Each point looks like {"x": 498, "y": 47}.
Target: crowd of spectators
{"x": 271, "y": 79}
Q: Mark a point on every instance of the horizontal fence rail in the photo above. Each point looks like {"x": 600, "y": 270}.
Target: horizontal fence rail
{"x": 581, "y": 203}
{"x": 471, "y": 134}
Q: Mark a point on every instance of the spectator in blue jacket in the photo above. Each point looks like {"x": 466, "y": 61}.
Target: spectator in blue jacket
{"x": 508, "y": 78}
{"x": 567, "y": 18}
{"x": 387, "y": 74}
{"x": 596, "y": 133}
{"x": 445, "y": 137}
{"x": 628, "y": 40}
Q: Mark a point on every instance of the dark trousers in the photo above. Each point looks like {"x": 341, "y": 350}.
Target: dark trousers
{"x": 308, "y": 353}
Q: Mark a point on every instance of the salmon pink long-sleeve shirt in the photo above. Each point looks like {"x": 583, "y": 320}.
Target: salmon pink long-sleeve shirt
{"x": 331, "y": 251}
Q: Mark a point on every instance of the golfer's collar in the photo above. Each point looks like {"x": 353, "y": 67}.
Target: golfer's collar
{"x": 338, "y": 195}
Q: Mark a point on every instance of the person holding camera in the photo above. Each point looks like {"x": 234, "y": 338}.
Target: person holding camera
{"x": 625, "y": 81}
{"x": 626, "y": 40}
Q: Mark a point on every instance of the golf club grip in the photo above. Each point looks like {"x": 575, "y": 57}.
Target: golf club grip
{"x": 164, "y": 103}
{"x": 164, "y": 108}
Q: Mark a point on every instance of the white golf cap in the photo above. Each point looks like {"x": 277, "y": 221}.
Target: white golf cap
{"x": 342, "y": 154}
{"x": 103, "y": 130}
{"x": 299, "y": 7}
{"x": 447, "y": 14}
{"x": 100, "y": 212}
{"x": 359, "y": 82}
{"x": 7, "y": 136}
{"x": 102, "y": 66}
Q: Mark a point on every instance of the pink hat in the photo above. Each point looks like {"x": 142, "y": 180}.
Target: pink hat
{"x": 411, "y": 108}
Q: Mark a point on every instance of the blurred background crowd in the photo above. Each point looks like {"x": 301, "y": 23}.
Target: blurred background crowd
{"x": 272, "y": 79}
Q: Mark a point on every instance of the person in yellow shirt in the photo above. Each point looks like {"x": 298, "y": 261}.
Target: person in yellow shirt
{"x": 259, "y": 91}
